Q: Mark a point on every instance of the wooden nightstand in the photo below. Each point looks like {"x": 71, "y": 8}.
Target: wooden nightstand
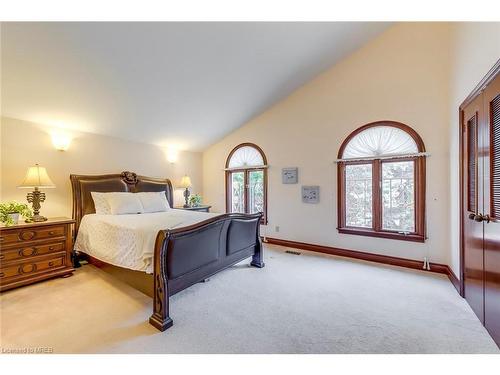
{"x": 31, "y": 252}
{"x": 197, "y": 208}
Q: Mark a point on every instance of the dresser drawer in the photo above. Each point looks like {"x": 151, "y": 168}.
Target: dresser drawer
{"x": 31, "y": 234}
{"x": 33, "y": 267}
{"x": 23, "y": 252}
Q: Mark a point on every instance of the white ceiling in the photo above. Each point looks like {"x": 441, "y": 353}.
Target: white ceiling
{"x": 181, "y": 84}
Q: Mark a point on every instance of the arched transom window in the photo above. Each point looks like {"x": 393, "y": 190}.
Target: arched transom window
{"x": 246, "y": 180}
{"x": 381, "y": 174}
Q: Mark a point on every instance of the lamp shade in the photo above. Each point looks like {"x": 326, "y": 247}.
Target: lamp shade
{"x": 185, "y": 182}
{"x": 37, "y": 177}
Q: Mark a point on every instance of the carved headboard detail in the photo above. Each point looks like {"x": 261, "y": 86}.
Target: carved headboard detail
{"x": 129, "y": 177}
{"x": 126, "y": 181}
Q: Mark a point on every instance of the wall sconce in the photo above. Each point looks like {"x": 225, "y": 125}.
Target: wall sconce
{"x": 60, "y": 140}
{"x": 172, "y": 155}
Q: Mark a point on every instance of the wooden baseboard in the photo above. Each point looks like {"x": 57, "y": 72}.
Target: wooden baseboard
{"x": 377, "y": 258}
{"x": 454, "y": 280}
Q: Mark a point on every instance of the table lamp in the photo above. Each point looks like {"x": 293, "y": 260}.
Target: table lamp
{"x": 36, "y": 177}
{"x": 186, "y": 183}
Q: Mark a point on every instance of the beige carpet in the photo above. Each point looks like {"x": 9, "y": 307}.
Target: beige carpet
{"x": 309, "y": 303}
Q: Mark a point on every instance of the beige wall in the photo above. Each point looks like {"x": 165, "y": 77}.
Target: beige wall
{"x": 23, "y": 144}
{"x": 401, "y": 75}
{"x": 475, "y": 48}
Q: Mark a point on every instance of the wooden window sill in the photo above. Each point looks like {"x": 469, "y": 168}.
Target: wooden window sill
{"x": 413, "y": 237}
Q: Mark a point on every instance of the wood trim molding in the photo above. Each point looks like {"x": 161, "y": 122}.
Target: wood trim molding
{"x": 462, "y": 196}
{"x": 382, "y": 234}
{"x": 482, "y": 84}
{"x": 454, "y": 280}
{"x": 369, "y": 257}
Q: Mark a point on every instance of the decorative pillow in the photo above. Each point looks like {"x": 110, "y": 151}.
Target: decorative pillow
{"x": 154, "y": 201}
{"x": 124, "y": 203}
{"x": 100, "y": 202}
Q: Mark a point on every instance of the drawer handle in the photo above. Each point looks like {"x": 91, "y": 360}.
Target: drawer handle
{"x": 1, "y": 239}
{"x": 2, "y": 274}
{"x": 51, "y": 248}
{"x": 51, "y": 264}
{"x": 2, "y": 256}
{"x": 51, "y": 233}
{"x": 25, "y": 236}
{"x": 23, "y": 269}
{"x": 24, "y": 252}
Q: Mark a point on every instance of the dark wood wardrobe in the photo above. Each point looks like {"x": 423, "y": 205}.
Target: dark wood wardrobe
{"x": 480, "y": 201}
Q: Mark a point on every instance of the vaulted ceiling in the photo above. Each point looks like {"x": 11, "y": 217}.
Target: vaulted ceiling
{"x": 180, "y": 84}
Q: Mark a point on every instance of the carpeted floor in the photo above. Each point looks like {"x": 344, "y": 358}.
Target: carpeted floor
{"x": 309, "y": 303}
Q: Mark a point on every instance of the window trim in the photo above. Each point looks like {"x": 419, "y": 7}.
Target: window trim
{"x": 419, "y": 177}
{"x": 229, "y": 172}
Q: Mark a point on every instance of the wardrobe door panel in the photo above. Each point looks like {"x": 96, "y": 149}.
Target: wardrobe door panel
{"x": 492, "y": 210}
{"x": 473, "y": 205}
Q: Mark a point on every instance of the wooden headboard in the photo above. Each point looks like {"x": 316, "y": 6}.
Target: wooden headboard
{"x": 82, "y": 186}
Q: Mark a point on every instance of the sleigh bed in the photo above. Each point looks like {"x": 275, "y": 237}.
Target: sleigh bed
{"x": 182, "y": 255}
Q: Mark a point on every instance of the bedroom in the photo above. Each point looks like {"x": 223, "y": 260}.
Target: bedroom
{"x": 250, "y": 187}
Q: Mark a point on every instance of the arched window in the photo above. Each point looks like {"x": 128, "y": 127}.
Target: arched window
{"x": 246, "y": 180}
{"x": 381, "y": 182}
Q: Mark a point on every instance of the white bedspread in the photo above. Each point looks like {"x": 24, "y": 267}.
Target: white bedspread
{"x": 128, "y": 240}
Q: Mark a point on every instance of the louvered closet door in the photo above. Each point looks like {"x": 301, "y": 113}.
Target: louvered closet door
{"x": 491, "y": 98}
{"x": 473, "y": 204}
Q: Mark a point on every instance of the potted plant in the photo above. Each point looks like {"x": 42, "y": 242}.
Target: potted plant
{"x": 10, "y": 211}
{"x": 195, "y": 200}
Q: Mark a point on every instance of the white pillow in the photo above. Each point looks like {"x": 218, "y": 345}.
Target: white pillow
{"x": 154, "y": 201}
{"x": 124, "y": 203}
{"x": 100, "y": 203}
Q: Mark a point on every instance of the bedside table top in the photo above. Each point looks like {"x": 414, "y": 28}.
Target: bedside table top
{"x": 200, "y": 207}
{"x": 50, "y": 221}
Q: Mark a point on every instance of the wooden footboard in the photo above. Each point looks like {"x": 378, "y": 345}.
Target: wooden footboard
{"x": 188, "y": 255}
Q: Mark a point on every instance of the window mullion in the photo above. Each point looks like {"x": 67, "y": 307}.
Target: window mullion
{"x": 342, "y": 219}
{"x": 246, "y": 190}
{"x": 229, "y": 190}
{"x": 417, "y": 204}
{"x": 377, "y": 195}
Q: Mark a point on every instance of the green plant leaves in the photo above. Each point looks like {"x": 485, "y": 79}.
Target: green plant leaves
{"x": 13, "y": 207}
